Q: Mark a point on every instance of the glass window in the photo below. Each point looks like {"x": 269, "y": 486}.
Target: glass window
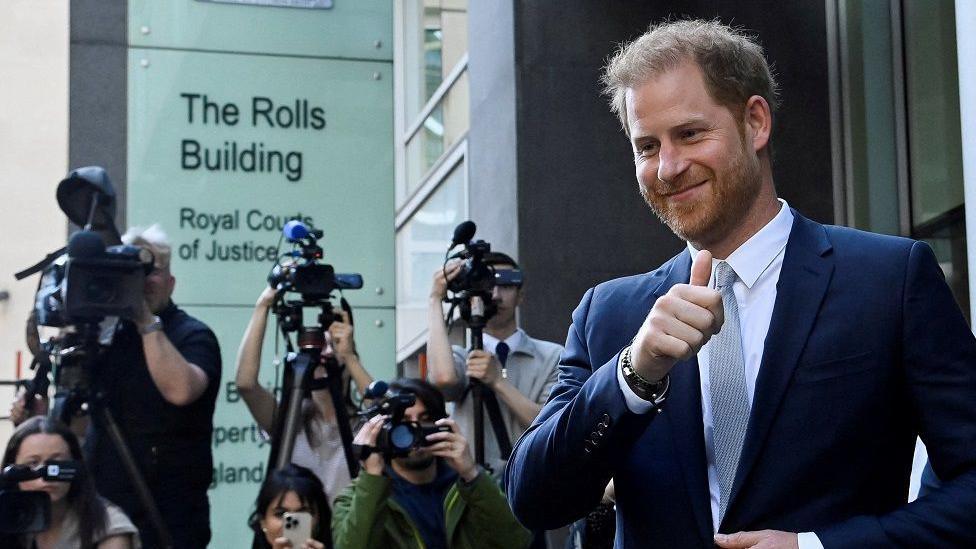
{"x": 934, "y": 137}
{"x": 421, "y": 243}
{"x": 447, "y": 123}
{"x": 873, "y": 201}
{"x": 436, "y": 39}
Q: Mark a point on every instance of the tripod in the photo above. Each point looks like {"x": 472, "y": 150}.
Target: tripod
{"x": 74, "y": 358}
{"x": 299, "y": 381}
{"x": 476, "y": 309}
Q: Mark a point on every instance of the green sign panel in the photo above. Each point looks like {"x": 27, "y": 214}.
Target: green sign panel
{"x": 223, "y": 150}
{"x": 351, "y": 29}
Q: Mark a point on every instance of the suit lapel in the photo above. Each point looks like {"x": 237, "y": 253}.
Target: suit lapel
{"x": 803, "y": 282}
{"x": 684, "y": 415}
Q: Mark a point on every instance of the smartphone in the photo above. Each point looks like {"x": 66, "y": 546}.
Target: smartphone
{"x": 297, "y": 527}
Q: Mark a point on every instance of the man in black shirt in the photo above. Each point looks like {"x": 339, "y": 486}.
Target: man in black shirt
{"x": 160, "y": 380}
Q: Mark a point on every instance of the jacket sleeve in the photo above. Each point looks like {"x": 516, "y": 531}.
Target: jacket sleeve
{"x": 567, "y": 454}
{"x": 939, "y": 361}
{"x": 356, "y": 510}
{"x": 490, "y": 516}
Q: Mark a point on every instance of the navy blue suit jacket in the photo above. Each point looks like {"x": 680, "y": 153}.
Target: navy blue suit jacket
{"x": 866, "y": 349}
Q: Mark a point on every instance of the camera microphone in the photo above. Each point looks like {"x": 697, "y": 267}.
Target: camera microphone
{"x": 376, "y": 389}
{"x": 463, "y": 233}
{"x": 295, "y": 230}
{"x": 85, "y": 244}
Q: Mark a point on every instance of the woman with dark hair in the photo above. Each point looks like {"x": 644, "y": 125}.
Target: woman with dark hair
{"x": 290, "y": 490}
{"x": 318, "y": 445}
{"x": 79, "y": 517}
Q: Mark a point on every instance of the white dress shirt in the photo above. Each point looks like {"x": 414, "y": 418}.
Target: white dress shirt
{"x": 491, "y": 342}
{"x": 757, "y": 262}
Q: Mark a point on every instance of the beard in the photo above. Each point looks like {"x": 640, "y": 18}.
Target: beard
{"x": 417, "y": 460}
{"x": 712, "y": 216}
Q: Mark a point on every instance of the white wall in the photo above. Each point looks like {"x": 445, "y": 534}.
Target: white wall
{"x": 33, "y": 159}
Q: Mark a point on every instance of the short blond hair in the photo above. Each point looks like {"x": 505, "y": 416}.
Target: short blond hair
{"x": 732, "y": 63}
{"x": 152, "y": 238}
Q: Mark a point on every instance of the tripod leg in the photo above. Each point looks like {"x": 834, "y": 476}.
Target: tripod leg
{"x": 285, "y": 444}
{"x": 478, "y": 398}
{"x": 104, "y": 416}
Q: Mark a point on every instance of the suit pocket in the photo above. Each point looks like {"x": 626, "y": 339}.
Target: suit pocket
{"x": 835, "y": 367}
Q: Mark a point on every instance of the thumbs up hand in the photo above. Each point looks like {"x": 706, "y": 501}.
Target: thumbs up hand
{"x": 680, "y": 322}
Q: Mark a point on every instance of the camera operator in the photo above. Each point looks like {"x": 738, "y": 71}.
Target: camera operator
{"x": 160, "y": 380}
{"x": 436, "y": 496}
{"x": 318, "y": 445}
{"x": 519, "y": 369}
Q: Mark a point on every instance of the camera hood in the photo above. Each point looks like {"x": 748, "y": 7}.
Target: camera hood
{"x": 88, "y": 192}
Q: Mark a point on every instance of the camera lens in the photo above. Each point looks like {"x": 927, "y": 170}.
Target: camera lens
{"x": 402, "y": 436}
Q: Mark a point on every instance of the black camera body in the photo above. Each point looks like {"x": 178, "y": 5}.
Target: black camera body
{"x": 30, "y": 512}
{"x": 475, "y": 275}
{"x": 315, "y": 281}
{"x": 106, "y": 284}
{"x": 397, "y": 437}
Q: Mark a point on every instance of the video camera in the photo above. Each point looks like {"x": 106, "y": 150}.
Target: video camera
{"x": 315, "y": 281}
{"x": 475, "y": 275}
{"x": 30, "y": 510}
{"x": 95, "y": 276}
{"x": 397, "y": 436}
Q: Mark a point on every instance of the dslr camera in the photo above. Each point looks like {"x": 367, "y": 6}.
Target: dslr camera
{"x": 397, "y": 436}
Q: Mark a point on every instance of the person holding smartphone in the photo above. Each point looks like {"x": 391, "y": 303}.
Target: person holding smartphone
{"x": 291, "y": 499}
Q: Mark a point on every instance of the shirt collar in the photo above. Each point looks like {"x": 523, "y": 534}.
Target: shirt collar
{"x": 750, "y": 260}
{"x": 516, "y": 342}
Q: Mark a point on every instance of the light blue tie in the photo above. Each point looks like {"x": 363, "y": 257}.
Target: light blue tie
{"x": 727, "y": 388}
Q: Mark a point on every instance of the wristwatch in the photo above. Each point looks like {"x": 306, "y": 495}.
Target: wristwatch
{"x": 655, "y": 393}
{"x": 154, "y": 326}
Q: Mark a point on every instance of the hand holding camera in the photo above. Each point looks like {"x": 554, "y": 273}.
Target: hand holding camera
{"x": 366, "y": 437}
{"x": 453, "y": 448}
{"x": 484, "y": 367}
{"x": 341, "y": 332}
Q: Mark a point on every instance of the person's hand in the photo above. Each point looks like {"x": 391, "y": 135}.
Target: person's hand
{"x": 484, "y": 367}
{"x": 267, "y": 298}
{"x": 18, "y": 410}
{"x": 367, "y": 437}
{"x": 438, "y": 290}
{"x": 454, "y": 449}
{"x": 342, "y": 337}
{"x": 680, "y": 322}
{"x": 283, "y": 543}
{"x": 764, "y": 539}
{"x": 143, "y": 315}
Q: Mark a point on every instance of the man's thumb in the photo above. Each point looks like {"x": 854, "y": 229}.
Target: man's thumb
{"x": 701, "y": 269}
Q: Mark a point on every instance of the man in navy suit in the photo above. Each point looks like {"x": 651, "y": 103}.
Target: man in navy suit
{"x": 765, "y": 387}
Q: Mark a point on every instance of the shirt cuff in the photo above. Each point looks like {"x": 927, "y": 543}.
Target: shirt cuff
{"x": 635, "y": 403}
{"x": 808, "y": 540}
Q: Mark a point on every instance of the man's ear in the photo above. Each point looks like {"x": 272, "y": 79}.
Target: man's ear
{"x": 758, "y": 122}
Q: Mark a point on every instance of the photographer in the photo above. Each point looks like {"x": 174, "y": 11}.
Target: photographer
{"x": 436, "y": 496}
{"x": 79, "y": 517}
{"x": 318, "y": 445}
{"x": 519, "y": 369}
{"x": 160, "y": 380}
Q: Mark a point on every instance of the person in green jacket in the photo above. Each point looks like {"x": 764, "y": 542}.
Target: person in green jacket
{"x": 434, "y": 498}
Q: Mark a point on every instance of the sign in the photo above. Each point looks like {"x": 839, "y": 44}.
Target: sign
{"x": 223, "y": 150}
